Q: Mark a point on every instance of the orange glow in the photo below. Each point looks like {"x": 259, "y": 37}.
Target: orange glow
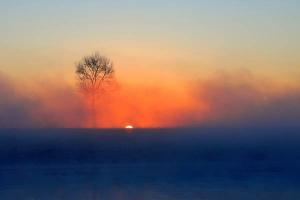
{"x": 224, "y": 99}
{"x": 147, "y": 106}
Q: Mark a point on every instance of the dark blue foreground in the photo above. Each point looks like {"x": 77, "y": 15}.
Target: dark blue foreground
{"x": 252, "y": 163}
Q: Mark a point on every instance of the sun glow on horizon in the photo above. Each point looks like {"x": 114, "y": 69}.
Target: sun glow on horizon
{"x": 129, "y": 127}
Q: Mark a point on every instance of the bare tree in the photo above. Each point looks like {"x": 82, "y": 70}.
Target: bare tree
{"x": 95, "y": 73}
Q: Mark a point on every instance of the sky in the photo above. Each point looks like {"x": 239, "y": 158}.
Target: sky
{"x": 167, "y": 47}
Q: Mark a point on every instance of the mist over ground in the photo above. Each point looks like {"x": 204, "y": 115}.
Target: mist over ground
{"x": 229, "y": 98}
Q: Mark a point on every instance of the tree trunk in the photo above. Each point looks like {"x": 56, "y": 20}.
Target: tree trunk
{"x": 94, "y": 112}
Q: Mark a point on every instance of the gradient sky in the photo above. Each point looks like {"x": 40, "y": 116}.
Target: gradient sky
{"x": 151, "y": 40}
{"x": 178, "y": 63}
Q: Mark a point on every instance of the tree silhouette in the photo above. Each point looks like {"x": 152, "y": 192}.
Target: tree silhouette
{"x": 95, "y": 73}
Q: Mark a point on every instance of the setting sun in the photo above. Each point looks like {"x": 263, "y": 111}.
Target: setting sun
{"x": 129, "y": 127}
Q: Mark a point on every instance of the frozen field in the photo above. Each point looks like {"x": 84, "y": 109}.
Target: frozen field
{"x": 150, "y": 164}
